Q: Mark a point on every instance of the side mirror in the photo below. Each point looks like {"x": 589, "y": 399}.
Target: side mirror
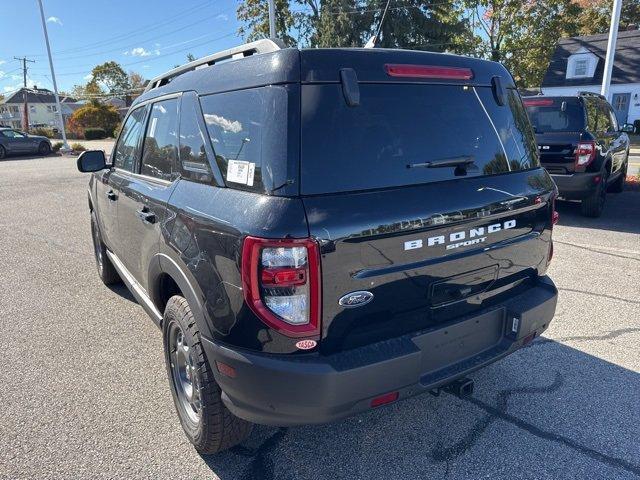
{"x": 91, "y": 161}
{"x": 627, "y": 127}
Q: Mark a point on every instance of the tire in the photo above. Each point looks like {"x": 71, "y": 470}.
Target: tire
{"x": 593, "y": 205}
{"x": 44, "y": 148}
{"x": 618, "y": 185}
{"x": 208, "y": 424}
{"x": 106, "y": 271}
{"x": 3, "y": 152}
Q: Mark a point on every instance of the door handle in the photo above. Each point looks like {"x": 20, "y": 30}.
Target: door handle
{"x": 146, "y": 216}
{"x": 111, "y": 195}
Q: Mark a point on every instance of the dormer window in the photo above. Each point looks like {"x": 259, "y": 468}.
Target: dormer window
{"x": 581, "y": 64}
{"x": 580, "y": 67}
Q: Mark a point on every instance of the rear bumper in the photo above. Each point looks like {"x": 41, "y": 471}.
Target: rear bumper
{"x": 576, "y": 186}
{"x": 294, "y": 390}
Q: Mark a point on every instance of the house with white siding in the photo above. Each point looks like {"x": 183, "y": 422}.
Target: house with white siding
{"x": 577, "y": 65}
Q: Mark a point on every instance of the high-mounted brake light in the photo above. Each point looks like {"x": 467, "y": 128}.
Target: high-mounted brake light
{"x": 429, "y": 71}
{"x": 539, "y": 102}
{"x": 281, "y": 283}
{"x": 585, "y": 153}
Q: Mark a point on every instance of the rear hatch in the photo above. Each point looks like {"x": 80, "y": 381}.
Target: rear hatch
{"x": 427, "y": 193}
{"x": 558, "y": 123}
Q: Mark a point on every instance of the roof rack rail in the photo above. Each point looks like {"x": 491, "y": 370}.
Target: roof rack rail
{"x": 591, "y": 94}
{"x": 241, "y": 51}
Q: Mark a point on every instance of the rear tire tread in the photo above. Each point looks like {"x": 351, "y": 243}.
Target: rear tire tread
{"x": 219, "y": 429}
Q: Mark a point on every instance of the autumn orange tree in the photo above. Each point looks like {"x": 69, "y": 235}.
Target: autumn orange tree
{"x": 93, "y": 115}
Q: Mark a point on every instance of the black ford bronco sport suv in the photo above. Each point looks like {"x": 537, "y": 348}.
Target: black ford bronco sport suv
{"x": 321, "y": 232}
{"x": 581, "y": 146}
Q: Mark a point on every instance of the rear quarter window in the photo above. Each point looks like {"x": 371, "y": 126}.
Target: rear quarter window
{"x": 248, "y": 130}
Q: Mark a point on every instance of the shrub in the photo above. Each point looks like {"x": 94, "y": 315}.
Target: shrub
{"x": 77, "y": 147}
{"x": 94, "y": 133}
{"x": 57, "y": 146}
{"x": 43, "y": 132}
{"x": 93, "y": 115}
{"x": 636, "y": 126}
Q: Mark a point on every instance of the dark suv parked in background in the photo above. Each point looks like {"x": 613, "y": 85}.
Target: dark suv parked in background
{"x": 581, "y": 146}
{"x": 321, "y": 232}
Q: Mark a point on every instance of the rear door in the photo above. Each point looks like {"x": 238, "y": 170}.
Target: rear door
{"x": 144, "y": 192}
{"x": 430, "y": 243}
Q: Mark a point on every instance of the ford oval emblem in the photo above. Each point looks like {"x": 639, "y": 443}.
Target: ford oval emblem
{"x": 356, "y": 299}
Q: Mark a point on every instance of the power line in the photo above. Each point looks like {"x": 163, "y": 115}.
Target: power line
{"x": 149, "y": 39}
{"x": 132, "y": 33}
{"x": 156, "y": 57}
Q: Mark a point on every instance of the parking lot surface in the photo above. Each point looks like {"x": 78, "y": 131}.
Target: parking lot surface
{"x": 84, "y": 392}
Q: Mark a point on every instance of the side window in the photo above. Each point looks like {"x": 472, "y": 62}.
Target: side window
{"x": 128, "y": 148}
{"x": 591, "y": 108}
{"x": 612, "y": 119}
{"x": 235, "y": 122}
{"x": 160, "y": 150}
{"x": 193, "y": 154}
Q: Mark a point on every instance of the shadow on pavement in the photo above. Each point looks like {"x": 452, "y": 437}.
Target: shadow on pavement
{"x": 621, "y": 213}
{"x": 123, "y": 291}
{"x": 548, "y": 411}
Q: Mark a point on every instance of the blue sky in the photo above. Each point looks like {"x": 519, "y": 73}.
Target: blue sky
{"x": 146, "y": 37}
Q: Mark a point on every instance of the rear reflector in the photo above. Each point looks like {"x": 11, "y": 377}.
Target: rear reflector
{"x": 540, "y": 102}
{"x": 429, "y": 71}
{"x": 384, "y": 399}
{"x": 555, "y": 216}
{"x": 226, "y": 370}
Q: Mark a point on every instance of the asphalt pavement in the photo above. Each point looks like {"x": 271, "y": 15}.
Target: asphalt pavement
{"x": 84, "y": 393}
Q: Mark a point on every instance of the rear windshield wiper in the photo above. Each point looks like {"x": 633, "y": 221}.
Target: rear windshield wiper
{"x": 444, "y": 162}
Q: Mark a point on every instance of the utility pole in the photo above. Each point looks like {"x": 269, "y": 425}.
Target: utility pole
{"x": 25, "y": 109}
{"x": 272, "y": 19}
{"x": 65, "y": 145}
{"x": 611, "y": 48}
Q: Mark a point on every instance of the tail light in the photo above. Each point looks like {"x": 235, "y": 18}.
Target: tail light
{"x": 281, "y": 282}
{"x": 429, "y": 71}
{"x": 585, "y": 153}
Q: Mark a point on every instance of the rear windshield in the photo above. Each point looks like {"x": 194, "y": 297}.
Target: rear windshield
{"x": 397, "y": 130}
{"x": 555, "y": 114}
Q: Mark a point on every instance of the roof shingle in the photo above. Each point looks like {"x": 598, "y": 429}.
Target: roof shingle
{"x": 626, "y": 67}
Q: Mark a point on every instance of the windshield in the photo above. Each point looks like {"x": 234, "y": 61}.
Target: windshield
{"x": 408, "y": 134}
{"x": 555, "y": 114}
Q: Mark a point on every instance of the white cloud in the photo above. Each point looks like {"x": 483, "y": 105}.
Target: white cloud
{"x": 88, "y": 77}
{"x": 146, "y": 66}
{"x": 2, "y": 74}
{"x": 10, "y": 88}
{"x": 2, "y": 62}
{"x": 54, "y": 20}
{"x": 138, "y": 52}
{"x": 222, "y": 17}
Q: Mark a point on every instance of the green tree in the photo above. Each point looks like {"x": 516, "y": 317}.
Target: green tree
{"x": 595, "y": 16}
{"x": 254, "y": 14}
{"x": 533, "y": 36}
{"x": 110, "y": 77}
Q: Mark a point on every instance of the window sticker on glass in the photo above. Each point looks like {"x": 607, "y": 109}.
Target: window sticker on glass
{"x": 241, "y": 172}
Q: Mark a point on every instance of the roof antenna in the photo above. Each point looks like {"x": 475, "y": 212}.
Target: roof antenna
{"x": 375, "y": 40}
